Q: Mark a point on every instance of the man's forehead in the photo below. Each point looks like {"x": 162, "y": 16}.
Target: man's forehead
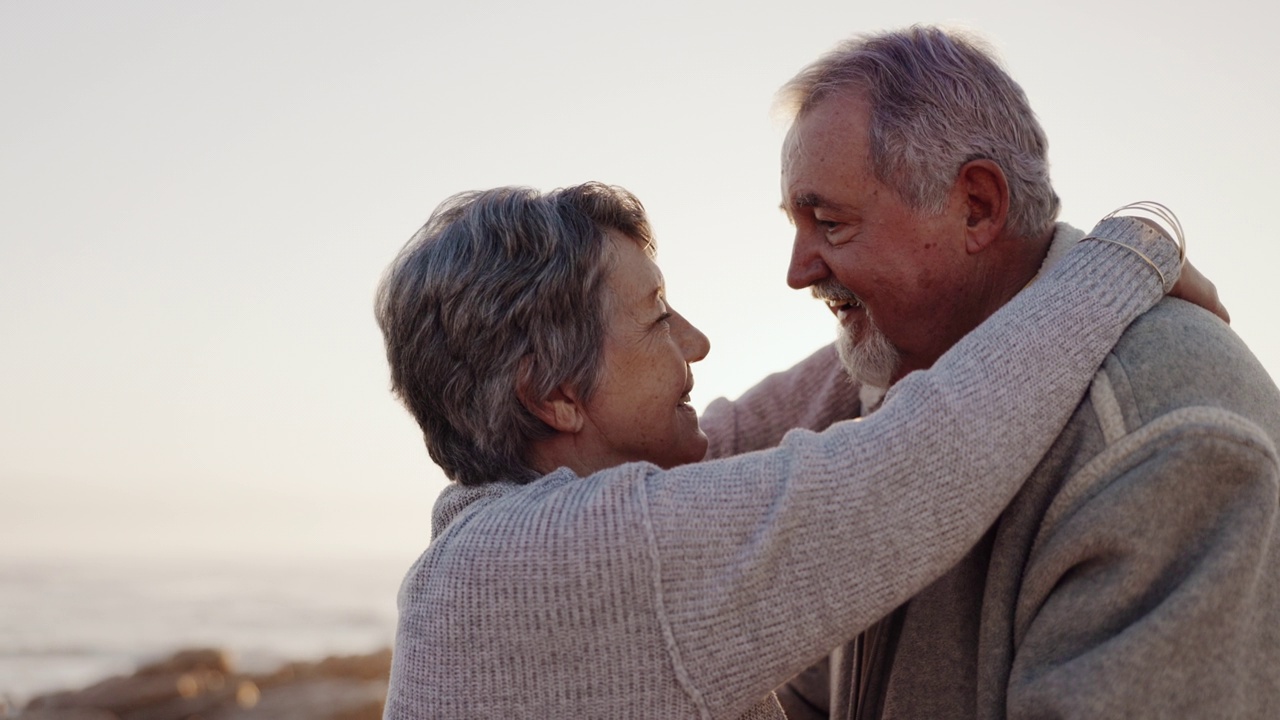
{"x": 792, "y": 146}
{"x": 827, "y": 143}
{"x": 837, "y": 118}
{"x": 791, "y": 149}
{"x": 802, "y": 165}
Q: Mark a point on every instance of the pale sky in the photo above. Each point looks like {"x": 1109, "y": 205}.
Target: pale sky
{"x": 197, "y": 199}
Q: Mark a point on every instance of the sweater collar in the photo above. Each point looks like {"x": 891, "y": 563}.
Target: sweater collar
{"x": 1065, "y": 237}
{"x": 457, "y": 499}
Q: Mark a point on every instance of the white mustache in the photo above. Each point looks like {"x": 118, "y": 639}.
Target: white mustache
{"x": 834, "y": 294}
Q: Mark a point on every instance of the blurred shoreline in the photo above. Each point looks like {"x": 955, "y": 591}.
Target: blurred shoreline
{"x": 70, "y": 622}
{"x": 204, "y": 683}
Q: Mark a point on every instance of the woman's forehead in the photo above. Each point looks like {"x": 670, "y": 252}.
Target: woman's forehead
{"x": 633, "y": 276}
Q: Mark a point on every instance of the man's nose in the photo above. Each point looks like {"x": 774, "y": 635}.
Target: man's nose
{"x": 807, "y": 266}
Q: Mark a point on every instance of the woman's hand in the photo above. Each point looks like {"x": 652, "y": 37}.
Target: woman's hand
{"x": 1194, "y": 287}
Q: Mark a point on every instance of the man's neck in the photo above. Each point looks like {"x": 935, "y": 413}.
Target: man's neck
{"x": 1064, "y": 238}
{"x": 1003, "y": 270}
{"x": 1009, "y": 266}
{"x": 1019, "y": 266}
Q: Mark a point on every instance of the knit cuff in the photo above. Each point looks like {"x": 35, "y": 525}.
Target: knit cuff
{"x": 1124, "y": 261}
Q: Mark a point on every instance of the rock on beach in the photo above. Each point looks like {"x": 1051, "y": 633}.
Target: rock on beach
{"x": 202, "y": 684}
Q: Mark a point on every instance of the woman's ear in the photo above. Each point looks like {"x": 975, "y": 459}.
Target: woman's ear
{"x": 987, "y": 198}
{"x": 560, "y": 409}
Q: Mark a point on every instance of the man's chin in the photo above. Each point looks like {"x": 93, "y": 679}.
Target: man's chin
{"x": 873, "y": 361}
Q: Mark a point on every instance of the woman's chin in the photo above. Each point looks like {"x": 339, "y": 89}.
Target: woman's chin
{"x": 697, "y": 449}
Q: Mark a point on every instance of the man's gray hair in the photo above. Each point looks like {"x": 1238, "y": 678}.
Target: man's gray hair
{"x": 937, "y": 100}
{"x": 501, "y": 289}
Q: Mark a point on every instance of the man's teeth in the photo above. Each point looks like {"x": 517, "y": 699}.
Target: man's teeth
{"x": 844, "y": 304}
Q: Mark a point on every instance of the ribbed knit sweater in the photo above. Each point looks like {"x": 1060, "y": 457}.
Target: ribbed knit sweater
{"x": 690, "y": 593}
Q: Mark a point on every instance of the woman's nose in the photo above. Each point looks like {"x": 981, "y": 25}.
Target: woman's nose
{"x": 692, "y": 341}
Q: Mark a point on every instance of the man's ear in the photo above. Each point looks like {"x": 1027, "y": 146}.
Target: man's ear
{"x": 987, "y": 200}
{"x": 561, "y": 409}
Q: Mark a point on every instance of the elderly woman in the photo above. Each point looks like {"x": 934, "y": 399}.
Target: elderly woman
{"x": 584, "y": 564}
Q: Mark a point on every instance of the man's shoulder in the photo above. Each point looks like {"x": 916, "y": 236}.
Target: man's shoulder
{"x": 1177, "y": 356}
{"x": 1176, "y": 373}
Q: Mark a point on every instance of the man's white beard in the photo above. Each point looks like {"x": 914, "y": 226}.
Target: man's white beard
{"x": 872, "y": 361}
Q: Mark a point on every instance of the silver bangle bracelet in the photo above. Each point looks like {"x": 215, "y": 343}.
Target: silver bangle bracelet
{"x": 1161, "y": 214}
{"x": 1167, "y": 224}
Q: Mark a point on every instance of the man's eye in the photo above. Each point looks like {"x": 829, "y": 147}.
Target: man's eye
{"x": 836, "y": 232}
{"x": 822, "y": 220}
{"x": 664, "y": 317}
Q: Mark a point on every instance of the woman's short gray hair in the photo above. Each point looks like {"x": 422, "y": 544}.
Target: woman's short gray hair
{"x": 500, "y": 289}
{"x": 938, "y": 100}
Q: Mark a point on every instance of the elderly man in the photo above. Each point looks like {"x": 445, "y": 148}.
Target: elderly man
{"x": 1138, "y": 571}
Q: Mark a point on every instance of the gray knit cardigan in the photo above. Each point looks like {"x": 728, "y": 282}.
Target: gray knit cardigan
{"x": 693, "y": 592}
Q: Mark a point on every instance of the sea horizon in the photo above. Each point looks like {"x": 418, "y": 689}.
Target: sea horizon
{"x": 68, "y": 622}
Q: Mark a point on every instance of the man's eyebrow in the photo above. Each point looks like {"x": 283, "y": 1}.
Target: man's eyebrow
{"x": 808, "y": 199}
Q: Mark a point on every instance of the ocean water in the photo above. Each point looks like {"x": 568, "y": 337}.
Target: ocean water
{"x": 66, "y": 624}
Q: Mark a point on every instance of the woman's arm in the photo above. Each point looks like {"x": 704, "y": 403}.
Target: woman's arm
{"x": 812, "y": 394}
{"x": 765, "y": 561}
